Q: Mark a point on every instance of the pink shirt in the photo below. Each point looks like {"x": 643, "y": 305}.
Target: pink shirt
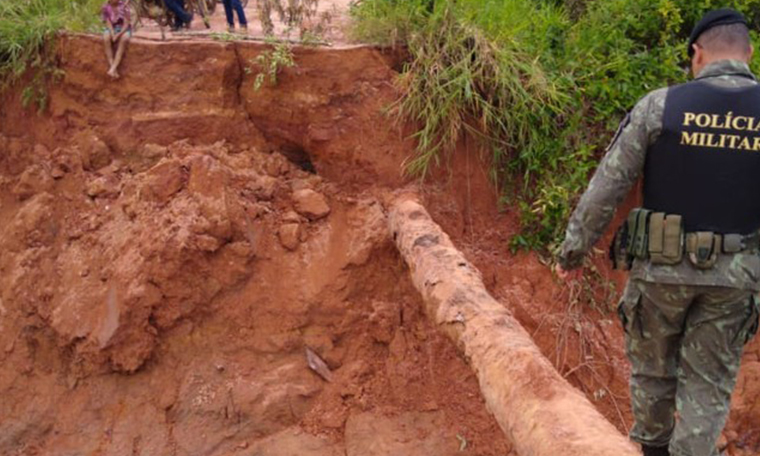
{"x": 116, "y": 15}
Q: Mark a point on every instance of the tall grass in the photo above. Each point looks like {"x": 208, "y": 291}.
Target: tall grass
{"x": 26, "y": 28}
{"x": 542, "y": 83}
{"x": 459, "y": 81}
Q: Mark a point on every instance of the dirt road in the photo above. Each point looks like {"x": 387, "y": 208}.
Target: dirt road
{"x": 332, "y": 13}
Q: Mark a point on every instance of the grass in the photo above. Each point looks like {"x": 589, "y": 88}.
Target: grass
{"x": 542, "y": 84}
{"x": 26, "y": 30}
{"x": 459, "y": 81}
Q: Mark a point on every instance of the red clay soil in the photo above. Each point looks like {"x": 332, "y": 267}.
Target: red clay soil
{"x": 575, "y": 328}
{"x": 172, "y": 242}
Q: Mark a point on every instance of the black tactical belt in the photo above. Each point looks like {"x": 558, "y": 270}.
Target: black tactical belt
{"x": 660, "y": 238}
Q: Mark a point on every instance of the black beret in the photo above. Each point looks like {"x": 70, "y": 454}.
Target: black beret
{"x": 723, "y": 16}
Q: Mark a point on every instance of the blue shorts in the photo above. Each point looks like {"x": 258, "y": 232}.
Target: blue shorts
{"x": 117, "y": 29}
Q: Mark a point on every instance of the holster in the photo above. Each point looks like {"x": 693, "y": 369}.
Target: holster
{"x": 630, "y": 240}
{"x": 618, "y": 252}
{"x": 638, "y": 229}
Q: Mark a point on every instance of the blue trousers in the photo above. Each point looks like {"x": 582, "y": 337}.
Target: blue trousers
{"x": 229, "y": 6}
{"x": 178, "y": 8}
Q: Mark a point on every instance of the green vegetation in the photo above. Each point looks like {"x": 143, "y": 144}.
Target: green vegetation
{"x": 271, "y": 62}
{"x": 542, "y": 84}
{"x": 26, "y": 28}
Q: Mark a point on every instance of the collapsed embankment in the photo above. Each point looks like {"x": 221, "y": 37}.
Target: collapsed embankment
{"x": 173, "y": 241}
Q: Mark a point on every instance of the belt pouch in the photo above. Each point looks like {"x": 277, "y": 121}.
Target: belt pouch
{"x": 657, "y": 238}
{"x": 703, "y": 248}
{"x": 656, "y": 233}
{"x": 672, "y": 240}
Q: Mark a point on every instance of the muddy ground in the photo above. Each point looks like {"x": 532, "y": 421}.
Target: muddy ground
{"x": 173, "y": 243}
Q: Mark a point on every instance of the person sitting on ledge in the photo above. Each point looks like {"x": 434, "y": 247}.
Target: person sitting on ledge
{"x": 118, "y": 31}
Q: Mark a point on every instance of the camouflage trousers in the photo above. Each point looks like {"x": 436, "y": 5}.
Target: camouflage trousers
{"x": 685, "y": 344}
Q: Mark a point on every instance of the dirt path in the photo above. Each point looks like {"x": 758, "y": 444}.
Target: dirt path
{"x": 335, "y": 34}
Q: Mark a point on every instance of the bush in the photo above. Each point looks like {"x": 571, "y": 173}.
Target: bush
{"x": 542, "y": 83}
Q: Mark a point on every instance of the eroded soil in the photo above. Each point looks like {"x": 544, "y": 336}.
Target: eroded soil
{"x": 173, "y": 242}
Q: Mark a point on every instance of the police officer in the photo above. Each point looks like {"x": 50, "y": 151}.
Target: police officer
{"x": 689, "y": 306}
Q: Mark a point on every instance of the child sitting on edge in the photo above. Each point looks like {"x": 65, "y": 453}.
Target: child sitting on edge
{"x": 115, "y": 14}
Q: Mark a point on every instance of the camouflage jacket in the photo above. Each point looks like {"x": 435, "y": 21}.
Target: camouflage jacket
{"x": 620, "y": 169}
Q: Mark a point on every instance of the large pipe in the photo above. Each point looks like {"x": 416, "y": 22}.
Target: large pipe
{"x": 541, "y": 413}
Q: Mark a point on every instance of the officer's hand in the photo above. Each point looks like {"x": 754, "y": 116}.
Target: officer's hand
{"x": 573, "y": 275}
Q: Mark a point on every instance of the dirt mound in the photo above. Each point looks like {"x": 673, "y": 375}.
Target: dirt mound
{"x": 208, "y": 270}
{"x": 131, "y": 247}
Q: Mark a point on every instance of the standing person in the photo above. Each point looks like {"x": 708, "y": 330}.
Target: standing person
{"x": 689, "y": 306}
{"x": 229, "y": 6}
{"x": 181, "y": 17}
{"x": 115, "y": 14}
{"x": 265, "y": 15}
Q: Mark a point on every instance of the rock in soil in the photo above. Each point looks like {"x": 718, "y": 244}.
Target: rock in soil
{"x": 310, "y": 204}
{"x": 291, "y": 235}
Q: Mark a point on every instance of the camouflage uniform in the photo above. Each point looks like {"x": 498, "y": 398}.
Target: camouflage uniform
{"x": 685, "y": 327}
